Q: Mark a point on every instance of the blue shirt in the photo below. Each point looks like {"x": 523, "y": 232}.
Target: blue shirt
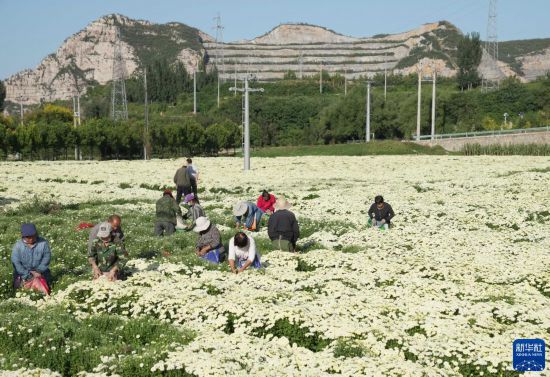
{"x": 26, "y": 259}
{"x": 250, "y": 215}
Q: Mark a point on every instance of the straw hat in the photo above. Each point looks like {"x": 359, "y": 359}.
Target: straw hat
{"x": 281, "y": 203}
{"x": 240, "y": 208}
{"x": 201, "y": 224}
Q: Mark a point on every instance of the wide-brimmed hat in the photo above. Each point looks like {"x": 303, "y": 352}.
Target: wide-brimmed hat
{"x": 104, "y": 230}
{"x": 281, "y": 203}
{"x": 201, "y": 224}
{"x": 189, "y": 197}
{"x": 240, "y": 208}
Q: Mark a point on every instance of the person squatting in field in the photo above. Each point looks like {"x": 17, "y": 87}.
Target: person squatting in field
{"x": 380, "y": 213}
{"x": 30, "y": 258}
{"x": 107, "y": 256}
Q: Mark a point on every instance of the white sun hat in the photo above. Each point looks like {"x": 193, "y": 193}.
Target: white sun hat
{"x": 240, "y": 208}
{"x": 104, "y": 230}
{"x": 201, "y": 224}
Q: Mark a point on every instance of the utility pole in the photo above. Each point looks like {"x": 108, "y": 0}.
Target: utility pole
{"x": 235, "y": 84}
{"x": 434, "y": 73}
{"x": 321, "y": 79}
{"x": 301, "y": 64}
{"x": 76, "y": 117}
{"x": 385, "y": 75}
{"x": 419, "y": 101}
{"x": 246, "y": 148}
{"x": 195, "y": 90}
{"x": 20, "y": 98}
{"x": 146, "y": 155}
{"x": 367, "y": 125}
{"x": 346, "y": 81}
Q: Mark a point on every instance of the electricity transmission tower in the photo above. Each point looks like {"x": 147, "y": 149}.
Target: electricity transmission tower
{"x": 119, "y": 105}
{"x": 219, "y": 40}
{"x": 491, "y": 46}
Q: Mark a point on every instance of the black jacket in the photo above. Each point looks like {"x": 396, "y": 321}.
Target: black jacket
{"x": 385, "y": 213}
{"x": 283, "y": 224}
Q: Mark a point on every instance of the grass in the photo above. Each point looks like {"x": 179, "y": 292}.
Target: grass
{"x": 506, "y": 150}
{"x": 53, "y": 338}
{"x": 385, "y": 147}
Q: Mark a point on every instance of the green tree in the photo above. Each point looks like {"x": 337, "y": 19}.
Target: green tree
{"x": 469, "y": 53}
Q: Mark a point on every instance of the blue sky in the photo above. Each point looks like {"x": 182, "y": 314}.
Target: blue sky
{"x": 31, "y": 29}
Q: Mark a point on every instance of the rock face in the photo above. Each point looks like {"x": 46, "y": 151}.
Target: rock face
{"x": 86, "y": 58}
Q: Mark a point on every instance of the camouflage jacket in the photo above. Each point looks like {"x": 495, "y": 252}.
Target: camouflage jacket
{"x": 167, "y": 209}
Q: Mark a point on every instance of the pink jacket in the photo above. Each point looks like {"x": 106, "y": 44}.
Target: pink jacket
{"x": 265, "y": 205}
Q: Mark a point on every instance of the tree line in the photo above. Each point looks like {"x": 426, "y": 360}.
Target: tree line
{"x": 48, "y": 134}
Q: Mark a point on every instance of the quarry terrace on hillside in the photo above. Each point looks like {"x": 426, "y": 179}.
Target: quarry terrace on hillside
{"x": 85, "y": 58}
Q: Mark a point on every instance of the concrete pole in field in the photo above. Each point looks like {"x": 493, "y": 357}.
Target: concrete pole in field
{"x": 367, "y": 125}
{"x": 419, "y": 101}
{"x": 321, "y": 79}
{"x": 346, "y": 81}
{"x": 195, "y": 91}
{"x": 433, "y": 99}
{"x": 246, "y": 146}
{"x": 385, "y": 75}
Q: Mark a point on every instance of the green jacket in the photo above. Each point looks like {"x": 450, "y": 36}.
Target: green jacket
{"x": 108, "y": 256}
{"x": 167, "y": 209}
{"x": 182, "y": 177}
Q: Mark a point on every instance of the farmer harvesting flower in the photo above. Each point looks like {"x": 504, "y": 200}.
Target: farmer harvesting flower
{"x": 283, "y": 228}
{"x": 116, "y": 231}
{"x": 243, "y": 253}
{"x": 248, "y": 213}
{"x": 106, "y": 255}
{"x": 380, "y": 213}
{"x": 194, "y": 212}
{"x": 209, "y": 245}
{"x": 30, "y": 258}
{"x": 167, "y": 211}
{"x": 265, "y": 202}
{"x": 184, "y": 182}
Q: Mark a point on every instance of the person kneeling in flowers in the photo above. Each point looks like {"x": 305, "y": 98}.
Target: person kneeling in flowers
{"x": 250, "y": 213}
{"x": 30, "y": 258}
{"x": 167, "y": 212}
{"x": 106, "y": 255}
{"x": 209, "y": 245}
{"x": 265, "y": 202}
{"x": 380, "y": 213}
{"x": 243, "y": 253}
{"x": 195, "y": 210}
{"x": 116, "y": 231}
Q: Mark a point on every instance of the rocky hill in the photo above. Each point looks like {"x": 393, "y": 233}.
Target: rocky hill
{"x": 85, "y": 58}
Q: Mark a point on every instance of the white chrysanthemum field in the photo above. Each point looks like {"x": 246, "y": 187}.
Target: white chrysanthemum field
{"x": 464, "y": 271}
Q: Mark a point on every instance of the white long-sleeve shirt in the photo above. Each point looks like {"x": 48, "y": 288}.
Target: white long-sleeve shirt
{"x": 245, "y": 253}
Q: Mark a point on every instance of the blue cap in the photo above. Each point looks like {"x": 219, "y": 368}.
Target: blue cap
{"x": 28, "y": 230}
